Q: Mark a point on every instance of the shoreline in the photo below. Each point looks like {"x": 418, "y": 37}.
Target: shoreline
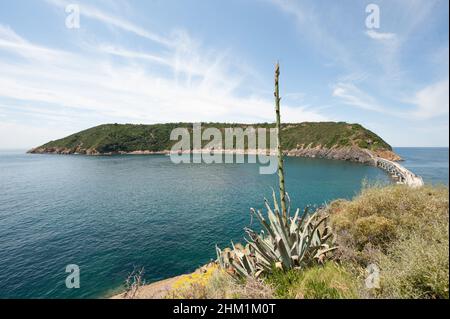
{"x": 347, "y": 153}
{"x": 159, "y": 289}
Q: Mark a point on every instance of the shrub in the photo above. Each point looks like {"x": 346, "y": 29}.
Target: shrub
{"x": 414, "y": 268}
{"x": 382, "y": 215}
{"x": 404, "y": 231}
{"x": 373, "y": 229}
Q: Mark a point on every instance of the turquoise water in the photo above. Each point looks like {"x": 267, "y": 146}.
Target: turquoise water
{"x": 110, "y": 214}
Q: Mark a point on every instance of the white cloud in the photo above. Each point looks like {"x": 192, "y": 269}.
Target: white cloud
{"x": 429, "y": 102}
{"x": 185, "y": 82}
{"x": 432, "y": 101}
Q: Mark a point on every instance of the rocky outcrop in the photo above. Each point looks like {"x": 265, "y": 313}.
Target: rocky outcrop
{"x": 51, "y": 150}
{"x": 64, "y": 151}
{"x": 90, "y": 151}
{"x": 347, "y": 153}
{"x": 389, "y": 155}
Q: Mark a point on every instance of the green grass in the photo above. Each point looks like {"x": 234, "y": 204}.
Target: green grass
{"x": 128, "y": 137}
{"x": 329, "y": 281}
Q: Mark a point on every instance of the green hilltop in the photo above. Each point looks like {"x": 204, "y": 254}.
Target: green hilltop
{"x": 123, "y": 138}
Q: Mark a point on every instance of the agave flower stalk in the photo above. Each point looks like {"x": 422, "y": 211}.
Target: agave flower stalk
{"x": 279, "y": 150}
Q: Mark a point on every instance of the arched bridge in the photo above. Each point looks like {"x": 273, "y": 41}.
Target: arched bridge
{"x": 398, "y": 172}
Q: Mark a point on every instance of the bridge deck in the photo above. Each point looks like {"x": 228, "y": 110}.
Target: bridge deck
{"x": 397, "y": 171}
{"x": 403, "y": 175}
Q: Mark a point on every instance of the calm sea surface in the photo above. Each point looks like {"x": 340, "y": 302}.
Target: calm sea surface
{"x": 430, "y": 163}
{"x": 110, "y": 214}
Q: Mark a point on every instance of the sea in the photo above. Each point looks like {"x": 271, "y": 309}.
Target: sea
{"x": 110, "y": 215}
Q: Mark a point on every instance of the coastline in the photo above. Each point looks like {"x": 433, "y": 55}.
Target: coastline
{"x": 161, "y": 288}
{"x": 348, "y": 153}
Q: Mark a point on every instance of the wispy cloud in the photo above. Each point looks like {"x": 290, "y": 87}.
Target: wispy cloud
{"x": 427, "y": 103}
{"x": 96, "y": 14}
{"x": 116, "y": 69}
{"x": 309, "y": 23}
{"x": 12, "y": 42}
{"x": 351, "y": 95}
{"x": 432, "y": 101}
{"x": 183, "y": 82}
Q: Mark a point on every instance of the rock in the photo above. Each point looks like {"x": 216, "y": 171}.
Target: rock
{"x": 348, "y": 153}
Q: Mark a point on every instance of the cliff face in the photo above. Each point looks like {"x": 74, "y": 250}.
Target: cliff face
{"x": 346, "y": 153}
{"x": 341, "y": 141}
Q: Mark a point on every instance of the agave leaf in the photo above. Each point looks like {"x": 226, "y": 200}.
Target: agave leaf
{"x": 294, "y": 225}
{"x": 240, "y": 270}
{"x": 265, "y": 251}
{"x": 246, "y": 262}
{"x": 288, "y": 205}
{"x": 282, "y": 230}
{"x": 285, "y": 257}
{"x": 271, "y": 215}
{"x": 326, "y": 237}
{"x": 263, "y": 222}
{"x": 275, "y": 202}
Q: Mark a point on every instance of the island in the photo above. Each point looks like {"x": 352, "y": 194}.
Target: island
{"x": 329, "y": 140}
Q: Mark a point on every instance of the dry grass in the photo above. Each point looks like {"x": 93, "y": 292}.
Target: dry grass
{"x": 220, "y": 285}
{"x": 223, "y": 286}
{"x": 217, "y": 284}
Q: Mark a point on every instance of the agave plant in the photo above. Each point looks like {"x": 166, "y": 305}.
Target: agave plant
{"x": 239, "y": 261}
{"x": 288, "y": 243}
{"x": 285, "y": 242}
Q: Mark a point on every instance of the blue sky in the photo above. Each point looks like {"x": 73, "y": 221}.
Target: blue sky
{"x": 168, "y": 61}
